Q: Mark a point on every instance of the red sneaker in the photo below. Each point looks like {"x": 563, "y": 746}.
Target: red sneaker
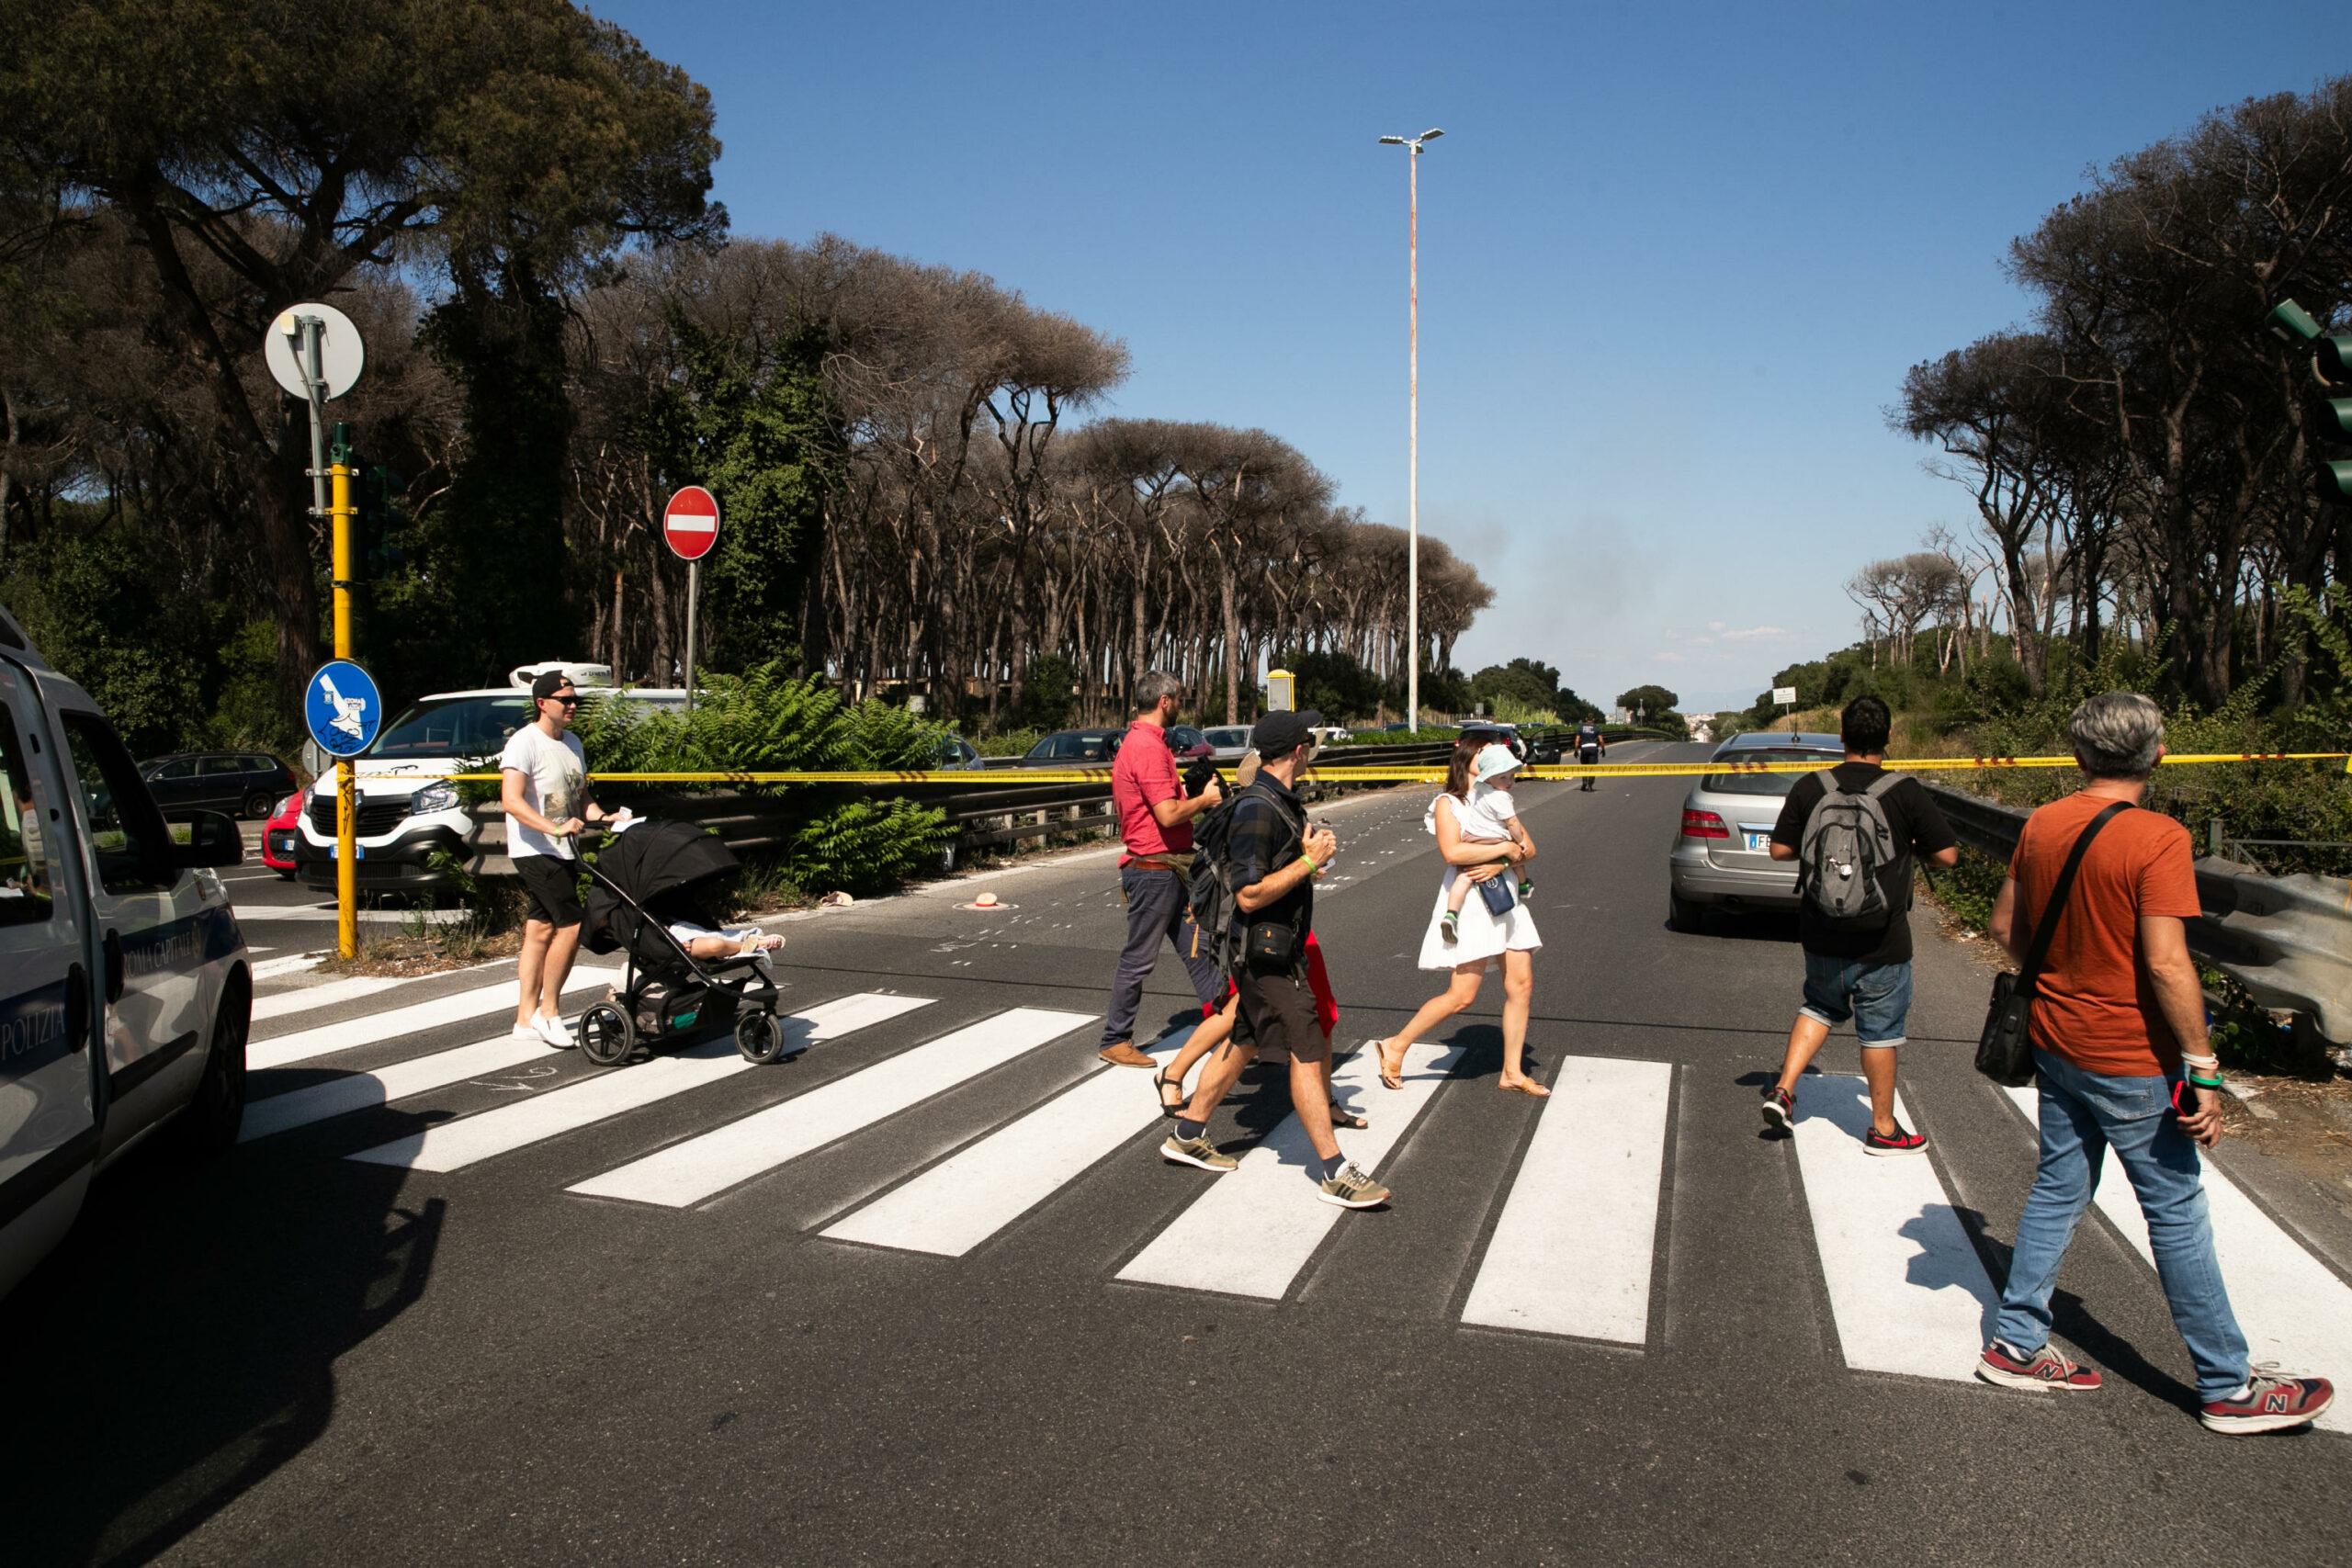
{"x": 1902, "y": 1140}
{"x": 1780, "y": 1110}
{"x": 2045, "y": 1368}
{"x": 2271, "y": 1403}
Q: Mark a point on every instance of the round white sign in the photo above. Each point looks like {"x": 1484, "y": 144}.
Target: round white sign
{"x": 339, "y": 354}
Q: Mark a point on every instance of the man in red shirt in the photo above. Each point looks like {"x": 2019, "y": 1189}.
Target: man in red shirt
{"x": 2118, "y": 1024}
{"x": 1155, "y": 821}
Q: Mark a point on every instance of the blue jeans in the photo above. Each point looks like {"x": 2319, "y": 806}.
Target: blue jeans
{"x": 1157, "y": 911}
{"x": 2083, "y": 1116}
{"x": 1877, "y": 997}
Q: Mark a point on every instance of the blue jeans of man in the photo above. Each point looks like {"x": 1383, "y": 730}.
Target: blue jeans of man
{"x": 1157, "y": 911}
{"x": 2082, "y": 1115}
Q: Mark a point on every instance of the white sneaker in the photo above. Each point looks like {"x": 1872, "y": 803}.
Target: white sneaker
{"x": 528, "y": 1031}
{"x": 553, "y": 1031}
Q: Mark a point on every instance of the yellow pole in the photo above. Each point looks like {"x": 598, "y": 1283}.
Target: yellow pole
{"x": 346, "y": 804}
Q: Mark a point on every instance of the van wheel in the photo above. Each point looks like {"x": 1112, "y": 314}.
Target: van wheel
{"x": 1682, "y": 915}
{"x": 209, "y": 1125}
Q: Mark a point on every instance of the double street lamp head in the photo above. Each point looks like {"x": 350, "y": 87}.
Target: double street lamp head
{"x": 1431, "y": 134}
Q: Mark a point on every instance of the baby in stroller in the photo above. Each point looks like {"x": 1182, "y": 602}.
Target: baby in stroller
{"x": 651, "y": 887}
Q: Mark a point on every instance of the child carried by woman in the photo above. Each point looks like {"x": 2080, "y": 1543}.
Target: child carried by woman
{"x": 1489, "y": 815}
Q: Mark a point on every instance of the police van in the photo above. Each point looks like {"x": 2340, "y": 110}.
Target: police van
{"x": 125, "y": 991}
{"x": 413, "y": 832}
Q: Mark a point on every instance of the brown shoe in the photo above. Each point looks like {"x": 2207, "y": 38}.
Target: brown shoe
{"x": 1123, "y": 1055}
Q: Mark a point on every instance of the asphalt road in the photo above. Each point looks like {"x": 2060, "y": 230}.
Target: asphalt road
{"x": 294, "y": 1355}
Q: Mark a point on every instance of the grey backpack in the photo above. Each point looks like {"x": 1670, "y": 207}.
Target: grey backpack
{"x": 1848, "y": 852}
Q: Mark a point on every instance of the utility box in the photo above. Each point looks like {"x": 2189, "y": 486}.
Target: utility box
{"x": 1282, "y": 691}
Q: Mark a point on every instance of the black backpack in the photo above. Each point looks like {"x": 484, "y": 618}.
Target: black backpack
{"x": 1210, "y": 889}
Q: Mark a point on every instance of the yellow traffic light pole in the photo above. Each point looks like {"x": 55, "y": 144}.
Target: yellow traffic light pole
{"x": 346, "y": 804}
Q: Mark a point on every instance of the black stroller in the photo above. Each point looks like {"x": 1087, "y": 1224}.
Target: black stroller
{"x": 655, "y": 873}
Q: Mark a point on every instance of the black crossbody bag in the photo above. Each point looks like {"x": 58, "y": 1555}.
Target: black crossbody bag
{"x": 2005, "y": 1051}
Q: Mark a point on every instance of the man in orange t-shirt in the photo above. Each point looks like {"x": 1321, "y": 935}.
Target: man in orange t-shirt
{"x": 2117, "y": 1013}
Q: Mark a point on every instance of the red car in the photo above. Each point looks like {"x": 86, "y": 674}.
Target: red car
{"x": 277, "y": 835}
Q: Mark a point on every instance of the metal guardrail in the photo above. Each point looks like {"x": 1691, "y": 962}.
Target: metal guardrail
{"x": 2288, "y": 940}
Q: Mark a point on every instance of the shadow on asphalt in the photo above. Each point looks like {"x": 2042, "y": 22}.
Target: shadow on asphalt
{"x": 180, "y": 1345}
{"x": 1754, "y": 925}
{"x": 2073, "y": 1322}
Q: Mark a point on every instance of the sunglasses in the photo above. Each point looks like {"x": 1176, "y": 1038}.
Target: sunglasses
{"x": 570, "y": 701}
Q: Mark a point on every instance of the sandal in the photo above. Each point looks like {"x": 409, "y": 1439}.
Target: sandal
{"x": 1172, "y": 1109}
{"x": 1343, "y": 1117}
{"x": 1388, "y": 1078}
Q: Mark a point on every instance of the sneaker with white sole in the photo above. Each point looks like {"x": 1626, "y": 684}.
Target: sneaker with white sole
{"x": 554, "y": 1031}
{"x": 529, "y": 1031}
{"x": 1902, "y": 1140}
{"x": 2270, "y": 1402}
{"x": 1352, "y": 1188}
{"x": 2045, "y": 1368}
{"x": 1198, "y": 1151}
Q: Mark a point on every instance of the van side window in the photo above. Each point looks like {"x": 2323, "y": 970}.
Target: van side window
{"x": 128, "y": 838}
{"x": 24, "y": 864}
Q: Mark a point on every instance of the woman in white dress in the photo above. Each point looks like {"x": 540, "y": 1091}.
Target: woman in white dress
{"x": 1484, "y": 939}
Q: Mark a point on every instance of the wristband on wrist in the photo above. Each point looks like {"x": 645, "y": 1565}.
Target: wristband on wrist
{"x": 1313, "y": 865}
{"x": 2213, "y": 1062}
{"x": 2204, "y": 1083}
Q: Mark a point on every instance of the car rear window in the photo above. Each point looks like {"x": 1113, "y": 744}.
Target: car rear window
{"x": 1773, "y": 785}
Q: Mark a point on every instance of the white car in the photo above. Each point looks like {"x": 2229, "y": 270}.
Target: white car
{"x": 415, "y": 832}
{"x": 1228, "y": 743}
{"x": 125, "y": 991}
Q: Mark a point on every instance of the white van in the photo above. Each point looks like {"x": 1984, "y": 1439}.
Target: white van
{"x": 125, "y": 991}
{"x": 414, "y": 834}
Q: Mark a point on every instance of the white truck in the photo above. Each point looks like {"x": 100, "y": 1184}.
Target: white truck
{"x": 414, "y": 833}
{"x": 125, "y": 991}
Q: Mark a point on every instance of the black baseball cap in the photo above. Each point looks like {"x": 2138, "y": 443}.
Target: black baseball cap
{"x": 1281, "y": 733}
{"x": 549, "y": 683}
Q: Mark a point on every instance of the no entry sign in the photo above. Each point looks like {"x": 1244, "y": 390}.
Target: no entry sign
{"x": 690, "y": 522}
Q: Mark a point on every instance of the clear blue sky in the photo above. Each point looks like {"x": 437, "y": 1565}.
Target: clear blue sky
{"x": 1675, "y": 258}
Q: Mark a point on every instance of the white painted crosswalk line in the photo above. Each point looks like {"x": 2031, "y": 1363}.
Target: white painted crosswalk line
{"x": 2291, "y": 1306}
{"x": 1906, "y": 1289}
{"x": 332, "y": 994}
{"x": 326, "y": 1039}
{"x": 1571, "y": 1254}
{"x": 959, "y": 1203}
{"x": 1254, "y": 1229}
{"x": 453, "y": 1145}
{"x": 685, "y": 1174}
{"x": 357, "y": 1091}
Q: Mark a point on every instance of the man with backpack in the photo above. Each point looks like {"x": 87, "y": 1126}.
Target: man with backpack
{"x": 1591, "y": 746}
{"x": 1253, "y": 895}
{"x": 1855, "y": 830}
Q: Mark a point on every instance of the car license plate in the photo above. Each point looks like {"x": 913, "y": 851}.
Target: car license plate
{"x": 1760, "y": 843}
{"x": 334, "y": 851}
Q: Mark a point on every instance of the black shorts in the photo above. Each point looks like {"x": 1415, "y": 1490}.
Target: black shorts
{"x": 1277, "y": 1015}
{"x": 553, "y": 886}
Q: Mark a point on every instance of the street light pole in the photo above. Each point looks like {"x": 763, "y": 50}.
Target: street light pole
{"x": 1413, "y": 416}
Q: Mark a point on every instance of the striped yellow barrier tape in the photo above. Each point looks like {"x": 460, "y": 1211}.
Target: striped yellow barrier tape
{"x": 1016, "y": 778}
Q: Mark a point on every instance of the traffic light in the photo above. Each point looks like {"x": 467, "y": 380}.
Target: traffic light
{"x": 2331, "y": 418}
{"x": 381, "y": 523}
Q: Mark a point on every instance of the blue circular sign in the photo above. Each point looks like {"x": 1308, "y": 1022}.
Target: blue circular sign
{"x": 343, "y": 709}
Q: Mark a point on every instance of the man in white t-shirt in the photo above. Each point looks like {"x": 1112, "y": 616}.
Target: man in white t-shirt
{"x": 543, "y": 784}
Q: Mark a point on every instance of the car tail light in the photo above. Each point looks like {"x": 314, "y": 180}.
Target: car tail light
{"x": 1704, "y": 825}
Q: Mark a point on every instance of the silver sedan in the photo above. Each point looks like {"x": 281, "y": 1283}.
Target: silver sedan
{"x": 1722, "y": 856}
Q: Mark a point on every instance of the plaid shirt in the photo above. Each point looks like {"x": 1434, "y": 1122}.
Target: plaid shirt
{"x": 1269, "y": 824}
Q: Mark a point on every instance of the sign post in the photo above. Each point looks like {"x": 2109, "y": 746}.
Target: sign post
{"x": 314, "y": 353}
{"x": 690, "y": 527}
{"x": 344, "y": 711}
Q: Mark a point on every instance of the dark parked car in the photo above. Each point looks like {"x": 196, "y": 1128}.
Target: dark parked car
{"x": 247, "y": 782}
{"x": 1075, "y": 748}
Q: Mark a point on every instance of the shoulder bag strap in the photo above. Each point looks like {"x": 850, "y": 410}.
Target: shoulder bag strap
{"x": 2047, "y": 930}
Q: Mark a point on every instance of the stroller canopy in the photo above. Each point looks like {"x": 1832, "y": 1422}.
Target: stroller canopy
{"x": 651, "y": 872}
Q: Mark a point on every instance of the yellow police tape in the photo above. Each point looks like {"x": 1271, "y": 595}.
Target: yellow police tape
{"x": 1014, "y": 778}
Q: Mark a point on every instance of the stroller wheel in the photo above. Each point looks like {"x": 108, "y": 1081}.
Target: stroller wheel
{"x": 606, "y": 1034}
{"x": 759, "y": 1037}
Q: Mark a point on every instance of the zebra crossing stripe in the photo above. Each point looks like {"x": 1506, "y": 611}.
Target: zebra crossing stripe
{"x": 1572, "y": 1252}
{"x": 2291, "y": 1307}
{"x": 685, "y": 1174}
{"x": 1906, "y": 1289}
{"x": 962, "y": 1201}
{"x": 326, "y": 1039}
{"x": 357, "y": 1091}
{"x": 453, "y": 1145}
{"x": 334, "y": 993}
{"x": 1254, "y": 1229}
